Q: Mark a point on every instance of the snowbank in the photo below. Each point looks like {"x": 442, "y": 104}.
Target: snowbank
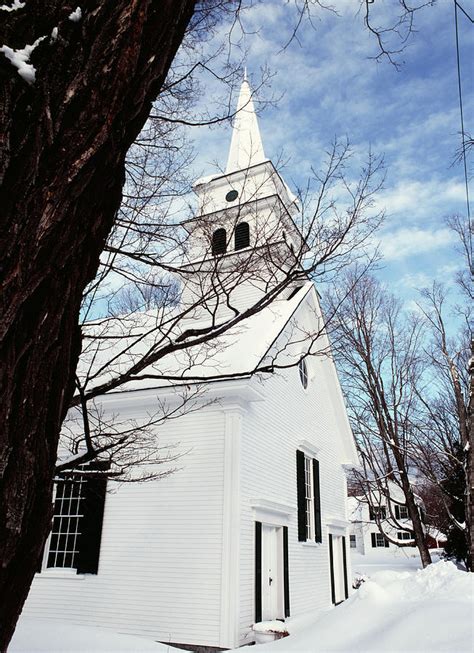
{"x": 428, "y": 611}
{"x": 424, "y": 611}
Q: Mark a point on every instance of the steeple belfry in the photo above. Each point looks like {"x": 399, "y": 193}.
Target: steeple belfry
{"x": 246, "y": 147}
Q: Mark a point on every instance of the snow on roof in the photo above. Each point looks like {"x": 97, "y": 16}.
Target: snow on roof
{"x": 354, "y": 509}
{"x": 206, "y": 179}
{"x": 435, "y": 533}
{"x": 235, "y": 353}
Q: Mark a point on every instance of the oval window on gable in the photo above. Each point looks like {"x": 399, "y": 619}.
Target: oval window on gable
{"x": 242, "y": 235}
{"x": 219, "y": 242}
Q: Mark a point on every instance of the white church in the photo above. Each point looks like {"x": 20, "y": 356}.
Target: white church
{"x": 253, "y": 524}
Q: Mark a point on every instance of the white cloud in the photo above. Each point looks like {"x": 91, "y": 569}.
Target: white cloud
{"x": 416, "y": 280}
{"x": 414, "y": 241}
{"x": 429, "y": 199}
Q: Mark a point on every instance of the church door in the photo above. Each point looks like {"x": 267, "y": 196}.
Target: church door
{"x": 272, "y": 573}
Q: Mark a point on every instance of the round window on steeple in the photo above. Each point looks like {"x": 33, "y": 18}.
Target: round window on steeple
{"x": 231, "y": 196}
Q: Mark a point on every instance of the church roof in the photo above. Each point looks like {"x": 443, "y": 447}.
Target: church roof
{"x": 238, "y": 352}
{"x": 246, "y": 148}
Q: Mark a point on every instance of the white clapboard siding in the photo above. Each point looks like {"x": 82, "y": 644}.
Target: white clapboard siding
{"x": 271, "y": 433}
{"x": 160, "y": 562}
{"x": 170, "y": 548}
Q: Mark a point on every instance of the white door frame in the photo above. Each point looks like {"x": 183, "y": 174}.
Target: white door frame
{"x": 338, "y": 570}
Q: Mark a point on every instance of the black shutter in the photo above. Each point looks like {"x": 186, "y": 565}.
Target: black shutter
{"x": 374, "y": 541}
{"x": 88, "y": 542}
{"x": 331, "y": 569}
{"x": 219, "y": 242}
{"x": 397, "y": 511}
{"x": 242, "y": 236}
{"x": 371, "y": 514}
{"x": 344, "y": 562}
{"x": 300, "y": 484}
{"x": 258, "y": 571}
{"x": 387, "y": 543}
{"x": 286, "y": 574}
{"x": 318, "y": 536}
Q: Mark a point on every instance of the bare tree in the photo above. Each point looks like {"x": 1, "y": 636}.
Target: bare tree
{"x": 379, "y": 350}
{"x": 392, "y": 25}
{"x": 441, "y": 434}
{"x": 197, "y": 309}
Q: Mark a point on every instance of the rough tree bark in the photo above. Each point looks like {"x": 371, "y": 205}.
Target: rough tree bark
{"x": 64, "y": 140}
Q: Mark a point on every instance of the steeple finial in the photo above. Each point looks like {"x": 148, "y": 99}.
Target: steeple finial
{"x": 246, "y": 147}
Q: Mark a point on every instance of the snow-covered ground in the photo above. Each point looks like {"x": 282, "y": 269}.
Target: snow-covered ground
{"x": 393, "y": 559}
{"x": 395, "y": 610}
{"x": 403, "y": 609}
{"x": 54, "y": 636}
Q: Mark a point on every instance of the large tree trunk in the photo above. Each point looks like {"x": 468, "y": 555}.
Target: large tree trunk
{"x": 414, "y": 513}
{"x": 65, "y": 137}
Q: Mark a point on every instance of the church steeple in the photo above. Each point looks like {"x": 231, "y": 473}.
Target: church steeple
{"x": 249, "y": 205}
{"x": 246, "y": 148}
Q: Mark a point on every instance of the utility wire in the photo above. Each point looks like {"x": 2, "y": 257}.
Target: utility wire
{"x": 461, "y": 111}
{"x": 465, "y": 12}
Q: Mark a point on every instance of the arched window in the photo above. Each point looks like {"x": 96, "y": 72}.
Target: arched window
{"x": 242, "y": 235}
{"x": 219, "y": 242}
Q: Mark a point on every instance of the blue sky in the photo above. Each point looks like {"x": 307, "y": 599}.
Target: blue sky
{"x": 330, "y": 87}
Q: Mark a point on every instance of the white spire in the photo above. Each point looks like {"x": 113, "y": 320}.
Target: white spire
{"x": 246, "y": 147}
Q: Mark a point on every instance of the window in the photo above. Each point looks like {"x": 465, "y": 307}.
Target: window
{"x": 308, "y": 482}
{"x": 231, "y": 196}
{"x": 242, "y": 235}
{"x": 377, "y": 512}
{"x": 405, "y": 535}
{"x": 379, "y": 540}
{"x": 68, "y": 513}
{"x": 401, "y": 512}
{"x": 353, "y": 541}
{"x": 303, "y": 370}
{"x": 74, "y": 542}
{"x": 309, "y": 498}
{"x": 219, "y": 242}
